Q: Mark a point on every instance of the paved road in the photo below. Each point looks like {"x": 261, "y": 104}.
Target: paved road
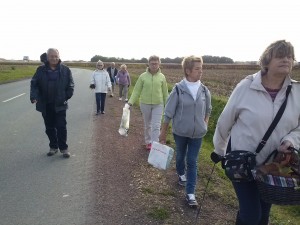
{"x": 36, "y": 189}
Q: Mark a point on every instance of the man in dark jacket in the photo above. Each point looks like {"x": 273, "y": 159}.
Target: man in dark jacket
{"x": 112, "y": 71}
{"x": 51, "y": 87}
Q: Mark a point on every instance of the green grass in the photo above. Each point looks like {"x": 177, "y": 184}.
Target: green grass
{"x": 147, "y": 190}
{"x": 159, "y": 213}
{"x": 168, "y": 193}
{"x": 10, "y": 73}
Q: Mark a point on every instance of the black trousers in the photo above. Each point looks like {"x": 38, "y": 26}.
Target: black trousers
{"x": 56, "y": 127}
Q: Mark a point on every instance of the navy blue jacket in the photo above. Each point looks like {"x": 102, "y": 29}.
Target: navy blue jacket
{"x": 64, "y": 87}
{"x": 112, "y": 76}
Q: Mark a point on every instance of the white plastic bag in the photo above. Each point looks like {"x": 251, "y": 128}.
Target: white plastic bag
{"x": 160, "y": 155}
{"x": 124, "y": 126}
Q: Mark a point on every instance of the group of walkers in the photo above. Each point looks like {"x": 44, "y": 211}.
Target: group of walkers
{"x": 104, "y": 80}
{"x": 247, "y": 115}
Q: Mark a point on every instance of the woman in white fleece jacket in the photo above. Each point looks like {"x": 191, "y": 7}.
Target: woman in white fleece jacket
{"x": 101, "y": 80}
{"x": 248, "y": 114}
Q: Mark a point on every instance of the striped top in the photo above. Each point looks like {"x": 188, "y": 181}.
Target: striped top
{"x": 272, "y": 92}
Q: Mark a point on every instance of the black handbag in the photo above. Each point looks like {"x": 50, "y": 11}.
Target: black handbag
{"x": 239, "y": 163}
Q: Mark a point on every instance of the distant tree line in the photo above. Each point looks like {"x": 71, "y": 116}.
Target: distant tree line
{"x": 206, "y": 59}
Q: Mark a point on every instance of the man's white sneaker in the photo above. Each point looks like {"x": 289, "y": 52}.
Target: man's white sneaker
{"x": 52, "y": 152}
{"x": 66, "y": 153}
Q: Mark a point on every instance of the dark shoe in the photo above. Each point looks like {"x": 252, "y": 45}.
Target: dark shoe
{"x": 182, "y": 180}
{"x": 102, "y": 112}
{"x": 191, "y": 200}
{"x": 52, "y": 152}
{"x": 66, "y": 153}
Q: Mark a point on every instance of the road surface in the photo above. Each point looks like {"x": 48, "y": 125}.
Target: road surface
{"x": 36, "y": 189}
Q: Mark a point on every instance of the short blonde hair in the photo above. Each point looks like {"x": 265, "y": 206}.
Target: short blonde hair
{"x": 277, "y": 49}
{"x": 123, "y": 66}
{"x": 189, "y": 62}
{"x": 154, "y": 58}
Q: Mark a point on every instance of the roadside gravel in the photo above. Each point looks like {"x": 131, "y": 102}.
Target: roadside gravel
{"x": 127, "y": 190}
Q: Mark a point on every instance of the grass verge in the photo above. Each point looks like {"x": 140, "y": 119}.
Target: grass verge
{"x": 11, "y": 73}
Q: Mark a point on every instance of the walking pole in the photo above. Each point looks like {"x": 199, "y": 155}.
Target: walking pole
{"x": 205, "y": 190}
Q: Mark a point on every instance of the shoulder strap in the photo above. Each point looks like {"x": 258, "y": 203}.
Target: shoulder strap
{"x": 177, "y": 91}
{"x": 275, "y": 121}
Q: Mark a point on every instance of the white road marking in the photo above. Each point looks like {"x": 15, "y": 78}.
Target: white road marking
{"x": 14, "y": 97}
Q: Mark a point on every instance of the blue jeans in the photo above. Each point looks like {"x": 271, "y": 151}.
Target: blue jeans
{"x": 100, "y": 101}
{"x": 253, "y": 210}
{"x": 187, "y": 151}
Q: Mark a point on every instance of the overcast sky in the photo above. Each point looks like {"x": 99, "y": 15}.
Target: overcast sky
{"x": 238, "y": 29}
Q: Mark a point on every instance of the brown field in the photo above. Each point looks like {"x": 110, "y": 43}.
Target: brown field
{"x": 220, "y": 81}
{"x": 219, "y": 78}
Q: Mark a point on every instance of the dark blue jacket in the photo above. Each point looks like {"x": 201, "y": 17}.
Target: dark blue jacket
{"x": 112, "y": 76}
{"x": 64, "y": 87}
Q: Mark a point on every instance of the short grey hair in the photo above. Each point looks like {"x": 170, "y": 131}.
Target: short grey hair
{"x": 99, "y": 62}
{"x": 52, "y": 50}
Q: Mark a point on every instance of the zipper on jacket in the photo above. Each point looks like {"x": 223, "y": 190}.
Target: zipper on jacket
{"x": 152, "y": 91}
{"x": 194, "y": 117}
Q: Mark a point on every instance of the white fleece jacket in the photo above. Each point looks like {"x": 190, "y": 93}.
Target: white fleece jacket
{"x": 249, "y": 113}
{"x": 101, "y": 80}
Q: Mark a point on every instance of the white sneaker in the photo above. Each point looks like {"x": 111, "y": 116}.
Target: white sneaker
{"x": 182, "y": 180}
{"x": 120, "y": 99}
{"x": 191, "y": 200}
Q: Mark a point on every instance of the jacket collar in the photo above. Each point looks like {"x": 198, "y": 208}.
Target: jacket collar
{"x": 57, "y": 66}
{"x": 158, "y": 71}
{"x": 257, "y": 85}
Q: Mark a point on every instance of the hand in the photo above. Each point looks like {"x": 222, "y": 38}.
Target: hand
{"x": 215, "y": 157}
{"x": 33, "y": 101}
{"x": 284, "y": 147}
{"x": 162, "y": 138}
{"x": 127, "y": 106}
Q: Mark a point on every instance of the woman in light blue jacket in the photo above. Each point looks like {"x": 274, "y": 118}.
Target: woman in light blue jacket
{"x": 189, "y": 108}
